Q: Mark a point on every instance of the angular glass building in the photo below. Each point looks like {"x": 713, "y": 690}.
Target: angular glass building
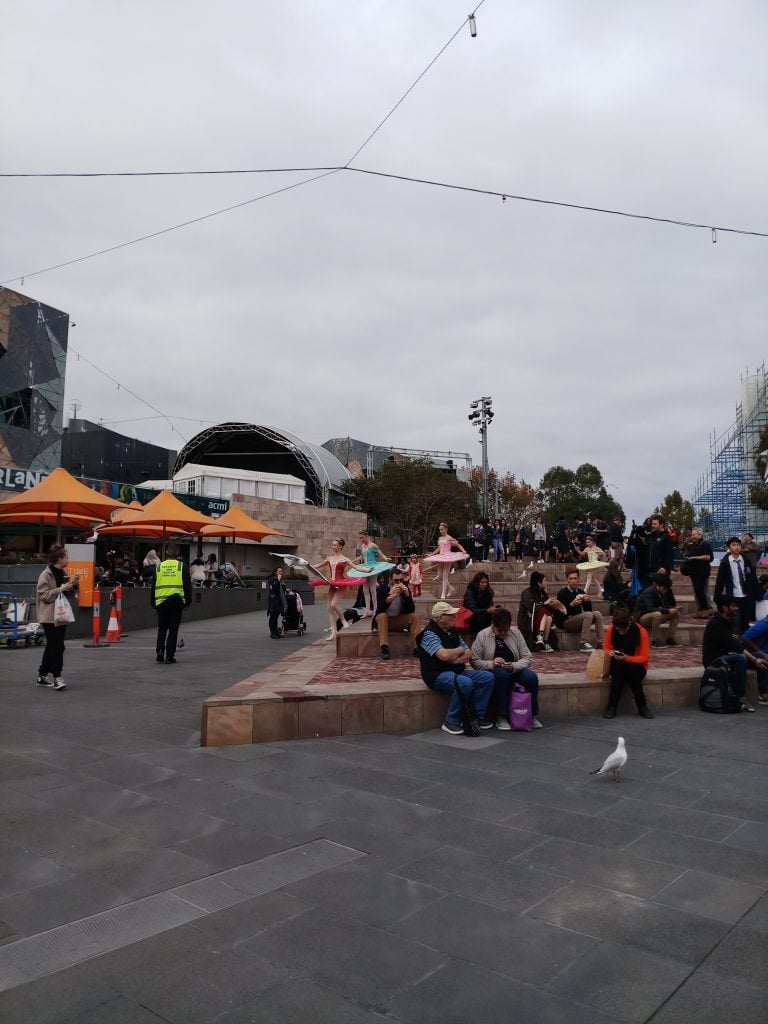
{"x": 33, "y": 357}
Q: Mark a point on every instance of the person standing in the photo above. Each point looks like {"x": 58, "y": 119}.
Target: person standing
{"x": 539, "y": 539}
{"x": 416, "y": 576}
{"x": 171, "y": 594}
{"x": 52, "y": 582}
{"x": 736, "y": 580}
{"x": 661, "y": 548}
{"x": 697, "y": 555}
{"x": 276, "y": 602}
{"x": 370, "y": 556}
{"x": 443, "y": 556}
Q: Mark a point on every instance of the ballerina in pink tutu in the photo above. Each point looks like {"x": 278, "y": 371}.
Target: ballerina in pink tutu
{"x": 337, "y": 564}
{"x": 444, "y": 558}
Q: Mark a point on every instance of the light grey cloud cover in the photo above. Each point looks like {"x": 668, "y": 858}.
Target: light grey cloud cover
{"x": 380, "y": 309}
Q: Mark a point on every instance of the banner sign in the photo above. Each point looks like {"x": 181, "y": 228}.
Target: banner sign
{"x": 80, "y": 564}
{"x": 14, "y": 479}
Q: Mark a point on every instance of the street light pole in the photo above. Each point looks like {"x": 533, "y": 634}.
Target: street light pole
{"x": 481, "y": 416}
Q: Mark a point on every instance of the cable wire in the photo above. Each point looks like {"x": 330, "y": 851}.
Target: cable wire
{"x": 161, "y": 174}
{"x": 413, "y": 85}
{"x": 173, "y": 227}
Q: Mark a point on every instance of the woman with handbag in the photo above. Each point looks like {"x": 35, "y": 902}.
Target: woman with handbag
{"x": 52, "y": 614}
{"x": 478, "y": 601}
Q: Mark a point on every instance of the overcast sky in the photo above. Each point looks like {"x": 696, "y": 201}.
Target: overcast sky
{"x": 380, "y": 309}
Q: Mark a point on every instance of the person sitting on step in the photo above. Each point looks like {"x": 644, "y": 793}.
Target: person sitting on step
{"x": 655, "y": 605}
{"x": 395, "y": 610}
{"x": 535, "y": 615}
{"x": 501, "y": 649}
{"x": 578, "y": 615}
{"x": 626, "y": 643}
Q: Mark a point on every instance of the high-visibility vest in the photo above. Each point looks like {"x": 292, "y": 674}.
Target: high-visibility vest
{"x": 169, "y": 580}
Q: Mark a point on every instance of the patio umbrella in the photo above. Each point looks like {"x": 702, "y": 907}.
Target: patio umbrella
{"x": 61, "y": 495}
{"x": 239, "y": 525}
{"x": 168, "y": 514}
{"x": 81, "y": 524}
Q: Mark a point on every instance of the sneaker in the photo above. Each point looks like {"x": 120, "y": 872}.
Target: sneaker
{"x": 43, "y": 681}
{"x": 450, "y": 727}
{"x": 657, "y": 643}
{"x": 539, "y": 645}
{"x": 672, "y": 642}
{"x": 537, "y": 724}
{"x": 548, "y": 649}
{"x": 58, "y": 684}
{"x": 647, "y": 713}
{"x": 485, "y": 723}
{"x": 384, "y": 653}
{"x": 610, "y": 713}
{"x": 762, "y": 699}
{"x": 170, "y": 661}
{"x": 159, "y": 658}
{"x": 586, "y": 647}
{"x": 746, "y": 707}
{"x": 504, "y": 726}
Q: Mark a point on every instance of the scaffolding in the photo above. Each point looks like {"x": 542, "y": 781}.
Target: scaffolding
{"x": 721, "y": 498}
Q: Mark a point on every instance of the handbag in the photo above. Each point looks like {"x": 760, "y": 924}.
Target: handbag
{"x": 463, "y": 618}
{"x": 520, "y": 713}
{"x": 62, "y": 611}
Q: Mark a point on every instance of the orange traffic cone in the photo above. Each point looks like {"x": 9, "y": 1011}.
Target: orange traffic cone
{"x": 113, "y": 630}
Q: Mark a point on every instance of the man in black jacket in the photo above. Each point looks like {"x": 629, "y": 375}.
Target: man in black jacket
{"x": 661, "y": 548}
{"x": 722, "y": 641}
{"x": 657, "y": 604}
{"x": 578, "y": 615}
{"x": 395, "y": 609}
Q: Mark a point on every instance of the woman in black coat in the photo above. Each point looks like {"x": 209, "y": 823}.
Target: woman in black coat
{"x": 276, "y": 602}
{"x": 478, "y": 598}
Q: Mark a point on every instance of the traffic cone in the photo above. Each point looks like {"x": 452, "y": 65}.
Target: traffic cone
{"x": 113, "y": 630}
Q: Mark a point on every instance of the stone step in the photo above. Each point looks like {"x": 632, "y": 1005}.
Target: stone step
{"x": 424, "y": 604}
{"x": 360, "y": 641}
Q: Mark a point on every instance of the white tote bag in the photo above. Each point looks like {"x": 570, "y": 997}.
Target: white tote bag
{"x": 62, "y": 611}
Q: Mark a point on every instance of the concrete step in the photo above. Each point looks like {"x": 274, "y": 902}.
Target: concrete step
{"x": 359, "y": 641}
{"x": 424, "y": 604}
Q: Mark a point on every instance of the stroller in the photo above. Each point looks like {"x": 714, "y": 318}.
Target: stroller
{"x": 14, "y": 628}
{"x": 293, "y": 616}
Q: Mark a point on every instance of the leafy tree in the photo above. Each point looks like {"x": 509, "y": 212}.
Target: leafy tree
{"x": 678, "y": 511}
{"x": 410, "y": 497}
{"x": 517, "y": 499}
{"x": 574, "y": 494}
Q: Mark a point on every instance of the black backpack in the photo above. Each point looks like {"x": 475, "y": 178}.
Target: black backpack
{"x": 716, "y": 691}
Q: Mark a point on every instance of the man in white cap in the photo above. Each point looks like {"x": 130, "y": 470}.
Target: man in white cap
{"x": 445, "y": 660}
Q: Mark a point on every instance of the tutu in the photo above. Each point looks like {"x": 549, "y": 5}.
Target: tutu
{"x": 376, "y": 569}
{"x": 452, "y": 556}
{"x": 591, "y": 566}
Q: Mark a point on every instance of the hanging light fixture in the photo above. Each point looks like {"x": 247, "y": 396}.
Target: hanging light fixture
{"x": 472, "y": 26}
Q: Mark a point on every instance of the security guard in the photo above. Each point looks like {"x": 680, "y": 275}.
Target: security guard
{"x": 171, "y": 594}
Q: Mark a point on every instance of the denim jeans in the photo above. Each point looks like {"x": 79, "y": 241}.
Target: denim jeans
{"x": 474, "y": 683}
{"x": 503, "y": 683}
{"x": 762, "y": 674}
{"x": 738, "y": 666}
{"x": 498, "y": 550}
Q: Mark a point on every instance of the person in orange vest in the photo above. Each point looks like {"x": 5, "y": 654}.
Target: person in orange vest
{"x": 171, "y": 594}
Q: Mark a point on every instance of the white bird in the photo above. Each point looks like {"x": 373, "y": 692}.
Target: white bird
{"x": 522, "y": 575}
{"x": 614, "y": 762}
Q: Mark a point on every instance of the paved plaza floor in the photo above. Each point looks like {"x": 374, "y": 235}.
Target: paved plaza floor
{"x": 401, "y": 878}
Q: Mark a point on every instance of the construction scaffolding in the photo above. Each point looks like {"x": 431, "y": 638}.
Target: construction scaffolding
{"x": 721, "y": 498}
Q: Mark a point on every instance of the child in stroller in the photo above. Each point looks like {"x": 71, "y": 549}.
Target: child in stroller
{"x": 293, "y": 616}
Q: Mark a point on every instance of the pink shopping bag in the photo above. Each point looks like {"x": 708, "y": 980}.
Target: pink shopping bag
{"x": 520, "y": 714}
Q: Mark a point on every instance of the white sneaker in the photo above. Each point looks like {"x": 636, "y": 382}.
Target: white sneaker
{"x": 548, "y": 649}
{"x": 503, "y": 725}
{"x": 537, "y": 724}
{"x": 58, "y": 684}
{"x": 586, "y": 647}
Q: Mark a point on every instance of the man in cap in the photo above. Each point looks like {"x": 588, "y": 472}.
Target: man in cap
{"x": 445, "y": 661}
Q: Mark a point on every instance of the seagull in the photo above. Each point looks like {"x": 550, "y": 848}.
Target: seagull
{"x": 614, "y": 762}
{"x": 522, "y": 575}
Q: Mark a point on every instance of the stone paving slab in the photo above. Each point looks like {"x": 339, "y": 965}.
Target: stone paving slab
{"x": 497, "y": 879}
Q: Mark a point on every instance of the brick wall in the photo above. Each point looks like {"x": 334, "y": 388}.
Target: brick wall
{"x": 312, "y": 528}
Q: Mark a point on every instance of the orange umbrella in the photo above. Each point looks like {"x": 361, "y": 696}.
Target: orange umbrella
{"x": 168, "y": 514}
{"x": 239, "y": 525}
{"x": 61, "y": 495}
{"x": 49, "y": 519}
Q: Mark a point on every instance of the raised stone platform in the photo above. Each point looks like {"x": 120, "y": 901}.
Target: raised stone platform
{"x": 313, "y": 693}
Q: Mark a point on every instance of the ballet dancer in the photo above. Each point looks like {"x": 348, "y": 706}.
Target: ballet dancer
{"x": 337, "y": 564}
{"x": 444, "y": 558}
{"x": 370, "y": 559}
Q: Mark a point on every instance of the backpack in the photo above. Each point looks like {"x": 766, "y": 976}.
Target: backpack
{"x": 716, "y": 692}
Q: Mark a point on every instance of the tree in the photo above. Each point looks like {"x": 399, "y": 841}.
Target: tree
{"x": 410, "y": 497}
{"x": 574, "y": 494}
{"x": 678, "y": 511}
{"x": 517, "y": 499}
